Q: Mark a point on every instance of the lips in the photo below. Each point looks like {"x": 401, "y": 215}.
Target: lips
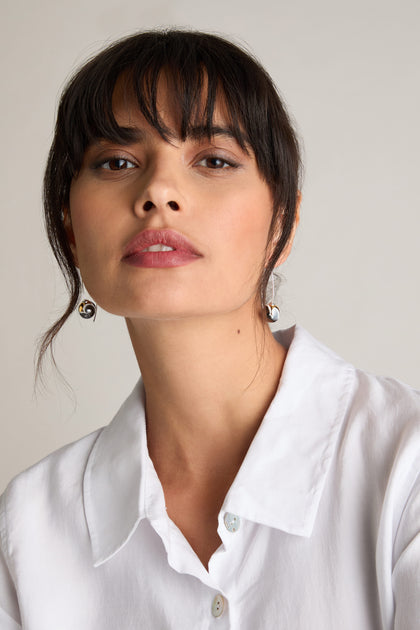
{"x": 160, "y": 248}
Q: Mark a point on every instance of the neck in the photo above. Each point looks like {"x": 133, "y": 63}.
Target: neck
{"x": 208, "y": 384}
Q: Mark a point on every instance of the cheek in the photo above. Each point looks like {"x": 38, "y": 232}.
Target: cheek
{"x": 79, "y": 204}
{"x": 90, "y": 220}
{"x": 245, "y": 226}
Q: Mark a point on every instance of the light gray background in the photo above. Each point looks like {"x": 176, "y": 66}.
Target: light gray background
{"x": 349, "y": 72}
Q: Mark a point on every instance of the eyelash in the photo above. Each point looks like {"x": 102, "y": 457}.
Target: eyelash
{"x": 226, "y": 163}
{"x": 101, "y": 164}
{"x": 115, "y": 158}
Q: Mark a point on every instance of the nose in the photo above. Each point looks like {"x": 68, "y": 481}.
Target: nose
{"x": 161, "y": 190}
{"x": 149, "y": 205}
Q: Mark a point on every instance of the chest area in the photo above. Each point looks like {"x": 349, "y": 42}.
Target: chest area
{"x": 266, "y": 578}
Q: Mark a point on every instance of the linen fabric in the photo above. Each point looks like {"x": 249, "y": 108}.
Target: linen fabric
{"x": 319, "y": 530}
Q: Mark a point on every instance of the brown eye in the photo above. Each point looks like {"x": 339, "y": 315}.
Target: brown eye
{"x": 216, "y": 163}
{"x": 117, "y": 164}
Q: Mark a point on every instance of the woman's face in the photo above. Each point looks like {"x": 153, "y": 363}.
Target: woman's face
{"x": 209, "y": 192}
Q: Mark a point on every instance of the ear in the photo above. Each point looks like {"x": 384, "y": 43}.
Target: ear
{"x": 70, "y": 234}
{"x": 286, "y": 251}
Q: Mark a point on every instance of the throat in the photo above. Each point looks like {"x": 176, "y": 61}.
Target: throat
{"x": 196, "y": 516}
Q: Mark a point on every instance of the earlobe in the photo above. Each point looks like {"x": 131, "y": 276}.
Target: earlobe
{"x": 70, "y": 234}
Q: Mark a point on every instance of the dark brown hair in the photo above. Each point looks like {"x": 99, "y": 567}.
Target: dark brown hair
{"x": 201, "y": 67}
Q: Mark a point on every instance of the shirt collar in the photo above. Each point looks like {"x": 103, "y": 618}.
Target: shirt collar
{"x": 113, "y": 485}
{"x": 281, "y": 480}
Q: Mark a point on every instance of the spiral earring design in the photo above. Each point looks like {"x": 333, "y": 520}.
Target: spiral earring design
{"x": 87, "y": 309}
{"x": 271, "y": 309}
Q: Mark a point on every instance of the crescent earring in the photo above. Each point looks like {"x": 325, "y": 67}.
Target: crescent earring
{"x": 271, "y": 309}
{"x": 87, "y": 309}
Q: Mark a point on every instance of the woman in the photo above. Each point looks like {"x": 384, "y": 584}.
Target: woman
{"x": 251, "y": 480}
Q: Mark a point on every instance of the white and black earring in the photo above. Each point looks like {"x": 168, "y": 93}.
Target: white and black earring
{"x": 87, "y": 309}
{"x": 272, "y": 310}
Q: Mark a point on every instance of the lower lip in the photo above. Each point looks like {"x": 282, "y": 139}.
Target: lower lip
{"x": 175, "y": 258}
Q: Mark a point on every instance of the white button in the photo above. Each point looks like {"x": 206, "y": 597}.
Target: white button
{"x": 232, "y": 522}
{"x": 217, "y": 606}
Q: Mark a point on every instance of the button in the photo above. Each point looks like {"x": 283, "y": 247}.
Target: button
{"x": 217, "y": 606}
{"x": 232, "y": 522}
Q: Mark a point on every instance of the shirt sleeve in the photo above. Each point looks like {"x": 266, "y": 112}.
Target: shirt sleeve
{"x": 9, "y": 608}
{"x": 406, "y": 573}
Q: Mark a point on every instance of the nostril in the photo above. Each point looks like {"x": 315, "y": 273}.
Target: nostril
{"x": 173, "y": 205}
{"x": 148, "y": 205}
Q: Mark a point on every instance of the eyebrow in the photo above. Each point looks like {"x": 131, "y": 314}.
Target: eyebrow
{"x": 203, "y": 131}
{"x": 134, "y": 134}
{"x": 197, "y": 132}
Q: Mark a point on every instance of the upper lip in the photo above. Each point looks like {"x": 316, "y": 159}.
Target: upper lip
{"x": 167, "y": 237}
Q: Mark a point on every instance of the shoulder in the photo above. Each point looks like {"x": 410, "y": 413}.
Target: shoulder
{"x": 379, "y": 452}
{"x": 376, "y": 405}
{"x": 387, "y": 395}
{"x": 48, "y": 501}
{"x": 386, "y": 412}
{"x": 375, "y": 420}
{"x": 47, "y": 488}
{"x": 61, "y": 467}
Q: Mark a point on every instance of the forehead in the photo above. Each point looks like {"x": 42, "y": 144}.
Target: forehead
{"x": 166, "y": 113}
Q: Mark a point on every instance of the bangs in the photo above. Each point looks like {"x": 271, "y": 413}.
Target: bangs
{"x": 197, "y": 79}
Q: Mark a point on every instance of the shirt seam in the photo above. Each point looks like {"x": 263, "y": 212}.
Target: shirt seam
{"x": 4, "y": 525}
{"x": 332, "y": 441}
{"x": 5, "y": 538}
{"x": 87, "y": 502}
{"x": 17, "y": 623}
{"x": 144, "y": 481}
{"x": 397, "y": 529}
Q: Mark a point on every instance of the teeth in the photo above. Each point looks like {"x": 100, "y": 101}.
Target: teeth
{"x": 158, "y": 248}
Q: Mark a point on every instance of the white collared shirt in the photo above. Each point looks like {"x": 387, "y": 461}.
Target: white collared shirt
{"x": 319, "y": 530}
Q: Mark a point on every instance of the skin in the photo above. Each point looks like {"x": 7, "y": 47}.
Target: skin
{"x": 209, "y": 362}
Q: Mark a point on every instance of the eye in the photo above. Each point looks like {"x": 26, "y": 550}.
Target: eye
{"x": 116, "y": 164}
{"x": 215, "y": 162}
